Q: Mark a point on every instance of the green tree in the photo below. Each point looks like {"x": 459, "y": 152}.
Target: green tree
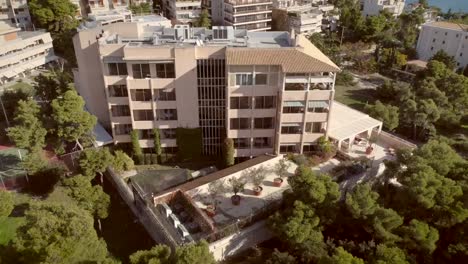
{"x": 6, "y": 203}
{"x": 94, "y": 161}
{"x": 137, "y": 152}
{"x": 10, "y": 98}
{"x": 341, "y": 256}
{"x": 72, "y": 122}
{"x": 90, "y": 198}
{"x": 141, "y": 9}
{"x": 160, "y": 254}
{"x": 390, "y": 255}
{"x": 57, "y": 233}
{"x": 362, "y": 201}
{"x": 388, "y": 114}
{"x": 29, "y": 132}
{"x": 446, "y": 59}
{"x": 122, "y": 162}
{"x": 34, "y": 161}
{"x": 157, "y": 142}
{"x": 278, "y": 257}
{"x": 54, "y": 15}
{"x": 198, "y": 253}
{"x": 420, "y": 236}
{"x": 53, "y": 84}
{"x": 228, "y": 152}
{"x": 203, "y": 20}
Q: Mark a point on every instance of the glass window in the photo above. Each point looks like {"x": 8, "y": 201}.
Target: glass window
{"x": 240, "y": 102}
{"x": 241, "y": 143}
{"x": 143, "y": 115}
{"x": 165, "y": 94}
{"x": 122, "y": 129}
{"x": 265, "y": 102}
{"x": 295, "y": 86}
{"x": 169, "y": 133}
{"x": 145, "y": 134}
{"x": 244, "y": 79}
{"x": 140, "y": 94}
{"x": 240, "y": 123}
{"x": 263, "y": 142}
{"x": 313, "y": 127}
{"x": 120, "y": 110}
{"x": 166, "y": 114}
{"x": 310, "y": 148}
{"x": 117, "y": 68}
{"x": 141, "y": 71}
{"x": 264, "y": 123}
{"x": 261, "y": 79}
{"x": 165, "y": 70}
{"x": 118, "y": 90}
{"x": 288, "y": 148}
{"x": 291, "y": 129}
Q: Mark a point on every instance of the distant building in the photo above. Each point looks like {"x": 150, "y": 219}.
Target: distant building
{"x": 15, "y": 12}
{"x": 374, "y": 7}
{"x": 21, "y": 51}
{"x": 252, "y": 15}
{"x": 449, "y": 37}
{"x": 429, "y": 15}
{"x": 183, "y": 11}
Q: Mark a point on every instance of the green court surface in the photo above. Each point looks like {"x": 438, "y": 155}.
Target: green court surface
{"x": 10, "y": 166}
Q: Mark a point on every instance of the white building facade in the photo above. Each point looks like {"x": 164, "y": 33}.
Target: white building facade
{"x": 373, "y": 7}
{"x": 183, "y": 11}
{"x": 449, "y": 37}
{"x": 21, "y": 51}
{"x": 15, "y": 12}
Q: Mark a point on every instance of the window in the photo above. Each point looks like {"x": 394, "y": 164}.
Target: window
{"x": 143, "y": 115}
{"x": 313, "y": 127}
{"x": 443, "y": 42}
{"x": 122, "y": 129}
{"x": 432, "y": 48}
{"x": 120, "y": 110}
{"x": 118, "y": 90}
{"x": 310, "y": 148}
{"x": 293, "y": 107}
{"x": 169, "y": 133}
{"x": 165, "y": 70}
{"x": 141, "y": 71}
{"x": 241, "y": 143}
{"x": 433, "y": 40}
{"x": 457, "y": 35}
{"x": 291, "y": 128}
{"x": 317, "y": 106}
{"x": 240, "y": 123}
{"x": 240, "y": 102}
{"x": 288, "y": 148}
{"x": 263, "y": 142}
{"x": 145, "y": 134}
{"x": 117, "y": 68}
{"x": 265, "y": 102}
{"x": 295, "y": 86}
{"x": 445, "y": 33}
{"x": 264, "y": 123}
{"x": 244, "y": 79}
{"x": 165, "y": 94}
{"x": 140, "y": 94}
{"x": 166, "y": 114}
{"x": 461, "y": 54}
{"x": 261, "y": 79}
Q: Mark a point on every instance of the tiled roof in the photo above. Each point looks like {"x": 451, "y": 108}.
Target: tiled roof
{"x": 301, "y": 59}
{"x": 449, "y": 25}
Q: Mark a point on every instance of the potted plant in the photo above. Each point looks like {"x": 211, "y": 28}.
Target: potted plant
{"x": 214, "y": 189}
{"x": 369, "y": 149}
{"x": 281, "y": 169}
{"x": 237, "y": 185}
{"x": 256, "y": 177}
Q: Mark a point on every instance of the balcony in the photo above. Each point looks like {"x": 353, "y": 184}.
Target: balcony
{"x": 247, "y": 2}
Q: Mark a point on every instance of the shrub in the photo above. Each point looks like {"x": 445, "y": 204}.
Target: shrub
{"x": 137, "y": 152}
{"x": 301, "y": 160}
{"x": 122, "y": 162}
{"x": 228, "y": 152}
{"x": 315, "y": 160}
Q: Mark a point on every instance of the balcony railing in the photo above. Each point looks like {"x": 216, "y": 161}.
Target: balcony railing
{"x": 246, "y": 2}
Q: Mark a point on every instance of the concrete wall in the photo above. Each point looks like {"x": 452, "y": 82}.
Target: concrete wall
{"x": 241, "y": 241}
{"x": 395, "y": 142}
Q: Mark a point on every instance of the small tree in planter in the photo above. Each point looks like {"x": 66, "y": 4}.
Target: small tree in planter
{"x": 214, "y": 189}
{"x": 281, "y": 169}
{"x": 326, "y": 148}
{"x": 237, "y": 185}
{"x": 370, "y": 148}
{"x": 256, "y": 177}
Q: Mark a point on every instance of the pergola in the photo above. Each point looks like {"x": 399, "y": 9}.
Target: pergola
{"x": 346, "y": 124}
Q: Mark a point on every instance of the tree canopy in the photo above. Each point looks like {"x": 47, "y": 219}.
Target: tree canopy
{"x": 6, "y": 203}
{"x": 94, "y": 161}
{"x": 160, "y": 254}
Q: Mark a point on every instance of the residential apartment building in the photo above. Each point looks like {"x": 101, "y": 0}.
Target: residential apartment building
{"x": 15, "y": 12}
{"x": 449, "y": 37}
{"x": 373, "y": 7}
{"x": 183, "y": 11}
{"x": 268, "y": 91}
{"x": 21, "y": 51}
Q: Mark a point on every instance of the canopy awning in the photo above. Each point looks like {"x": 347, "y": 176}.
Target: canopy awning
{"x": 347, "y": 123}
{"x": 318, "y": 104}
{"x": 294, "y": 104}
{"x": 101, "y": 136}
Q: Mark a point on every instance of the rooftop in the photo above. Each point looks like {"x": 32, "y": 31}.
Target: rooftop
{"x": 448, "y": 25}
{"x": 152, "y": 182}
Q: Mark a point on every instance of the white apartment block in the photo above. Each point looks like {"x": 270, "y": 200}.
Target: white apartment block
{"x": 252, "y": 15}
{"x": 183, "y": 11}
{"x": 449, "y": 37}
{"x": 15, "y": 12}
{"x": 21, "y": 51}
{"x": 268, "y": 91}
{"x": 373, "y": 7}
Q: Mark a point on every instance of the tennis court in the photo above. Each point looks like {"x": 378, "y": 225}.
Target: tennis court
{"x": 12, "y": 176}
